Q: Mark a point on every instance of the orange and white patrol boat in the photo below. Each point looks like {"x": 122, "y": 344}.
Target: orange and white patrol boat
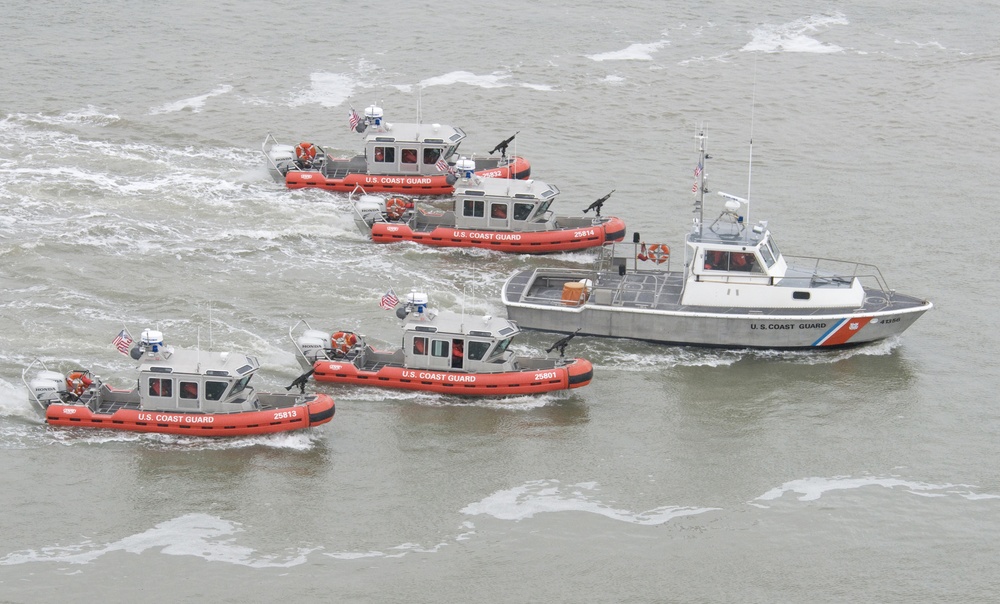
{"x": 443, "y": 352}
{"x": 490, "y": 213}
{"x": 188, "y": 392}
{"x": 410, "y": 158}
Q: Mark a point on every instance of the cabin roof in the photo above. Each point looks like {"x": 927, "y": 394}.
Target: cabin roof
{"x": 200, "y": 362}
{"x": 455, "y": 324}
{"x": 530, "y": 190}
{"x": 421, "y": 133}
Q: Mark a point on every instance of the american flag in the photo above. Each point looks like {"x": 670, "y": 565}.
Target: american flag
{"x": 122, "y": 341}
{"x": 389, "y": 300}
{"x": 697, "y": 170}
{"x": 354, "y": 119}
{"x": 443, "y": 166}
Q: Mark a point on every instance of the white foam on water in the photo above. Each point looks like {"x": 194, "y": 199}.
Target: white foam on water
{"x": 812, "y": 488}
{"x": 796, "y": 36}
{"x": 194, "y": 104}
{"x": 539, "y": 87}
{"x": 819, "y": 356}
{"x": 635, "y": 52}
{"x": 327, "y": 90}
{"x": 89, "y": 115}
{"x": 494, "y": 80}
{"x": 195, "y": 535}
{"x": 549, "y": 496}
{"x": 14, "y": 402}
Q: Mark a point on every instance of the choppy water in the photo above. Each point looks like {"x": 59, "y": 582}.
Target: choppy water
{"x": 134, "y": 191}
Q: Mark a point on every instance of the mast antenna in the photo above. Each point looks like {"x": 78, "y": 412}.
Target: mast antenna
{"x": 753, "y": 105}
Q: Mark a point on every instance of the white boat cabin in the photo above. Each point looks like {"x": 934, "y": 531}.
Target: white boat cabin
{"x": 193, "y": 381}
{"x": 449, "y": 341}
{"x": 407, "y": 148}
{"x": 730, "y": 265}
{"x": 501, "y": 204}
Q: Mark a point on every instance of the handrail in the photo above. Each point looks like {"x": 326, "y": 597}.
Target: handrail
{"x": 24, "y": 379}
{"x": 264, "y": 148}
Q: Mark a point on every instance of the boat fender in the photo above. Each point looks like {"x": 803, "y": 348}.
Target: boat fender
{"x": 305, "y": 153}
{"x": 658, "y": 253}
{"x": 343, "y": 341}
{"x": 395, "y": 207}
{"x": 78, "y": 381}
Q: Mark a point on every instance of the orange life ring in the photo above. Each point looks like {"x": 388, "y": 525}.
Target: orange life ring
{"x": 658, "y": 253}
{"x": 305, "y": 151}
{"x": 343, "y": 341}
{"x": 78, "y": 382}
{"x": 395, "y": 207}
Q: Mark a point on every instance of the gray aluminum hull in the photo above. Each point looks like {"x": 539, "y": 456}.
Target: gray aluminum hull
{"x": 702, "y": 326}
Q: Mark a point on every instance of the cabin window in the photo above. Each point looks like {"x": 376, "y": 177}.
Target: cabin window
{"x": 742, "y": 261}
{"x": 431, "y": 156}
{"x": 774, "y": 247}
{"x": 457, "y": 353}
{"x": 478, "y": 350}
{"x": 544, "y": 207}
{"x": 240, "y": 385}
{"x": 420, "y": 346}
{"x": 385, "y": 154}
{"x": 161, "y": 387}
{"x": 475, "y": 208}
{"x": 409, "y": 156}
{"x": 766, "y": 253}
{"x": 498, "y": 211}
{"x": 523, "y": 210}
{"x": 440, "y": 348}
{"x": 716, "y": 260}
{"x": 500, "y": 348}
{"x": 215, "y": 390}
{"x": 800, "y": 295}
{"x": 189, "y": 390}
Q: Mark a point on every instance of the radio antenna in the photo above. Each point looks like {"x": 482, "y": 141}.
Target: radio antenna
{"x": 753, "y": 104}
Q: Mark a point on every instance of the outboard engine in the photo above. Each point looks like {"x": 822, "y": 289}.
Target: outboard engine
{"x": 371, "y": 209}
{"x": 283, "y": 158}
{"x": 313, "y": 344}
{"x": 46, "y": 387}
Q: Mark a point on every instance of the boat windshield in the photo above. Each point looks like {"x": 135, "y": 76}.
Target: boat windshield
{"x": 477, "y": 350}
{"x": 500, "y": 348}
{"x": 774, "y": 247}
{"x": 766, "y": 253}
{"x": 544, "y": 207}
{"x": 240, "y": 385}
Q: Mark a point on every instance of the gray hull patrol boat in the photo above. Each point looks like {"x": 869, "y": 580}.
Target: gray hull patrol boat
{"x": 735, "y": 289}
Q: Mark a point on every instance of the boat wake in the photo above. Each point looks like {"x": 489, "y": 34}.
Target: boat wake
{"x": 796, "y": 36}
{"x": 546, "y": 496}
{"x": 811, "y": 489}
{"x": 635, "y": 52}
{"x": 199, "y": 535}
{"x": 194, "y": 104}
